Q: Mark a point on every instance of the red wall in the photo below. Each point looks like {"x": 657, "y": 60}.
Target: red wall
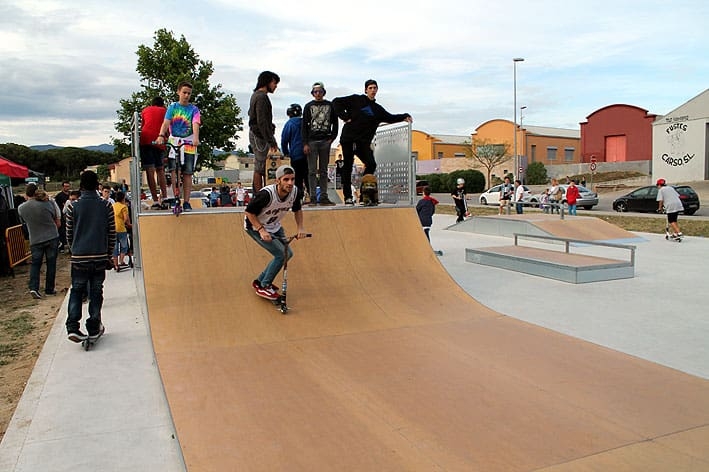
{"x": 618, "y": 120}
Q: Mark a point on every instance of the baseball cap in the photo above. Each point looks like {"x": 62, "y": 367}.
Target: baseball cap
{"x": 283, "y": 170}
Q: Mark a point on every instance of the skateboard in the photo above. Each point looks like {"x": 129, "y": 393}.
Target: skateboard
{"x": 369, "y": 191}
{"x": 88, "y": 343}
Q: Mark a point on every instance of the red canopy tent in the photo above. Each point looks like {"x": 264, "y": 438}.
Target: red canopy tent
{"x": 12, "y": 170}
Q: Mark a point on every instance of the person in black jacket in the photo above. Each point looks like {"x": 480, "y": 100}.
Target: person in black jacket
{"x": 362, "y": 115}
{"x": 91, "y": 236}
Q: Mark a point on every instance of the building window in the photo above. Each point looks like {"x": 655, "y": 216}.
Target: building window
{"x": 440, "y": 155}
{"x": 551, "y": 153}
{"x": 459, "y": 154}
{"x": 569, "y": 154}
{"x": 534, "y": 153}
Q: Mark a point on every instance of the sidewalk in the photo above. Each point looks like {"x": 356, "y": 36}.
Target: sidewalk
{"x": 106, "y": 410}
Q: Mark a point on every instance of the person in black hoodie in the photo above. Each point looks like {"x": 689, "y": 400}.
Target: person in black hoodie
{"x": 362, "y": 115}
{"x": 91, "y": 236}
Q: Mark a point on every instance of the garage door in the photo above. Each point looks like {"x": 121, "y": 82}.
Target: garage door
{"x": 615, "y": 148}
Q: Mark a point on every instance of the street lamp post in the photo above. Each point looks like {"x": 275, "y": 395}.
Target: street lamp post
{"x": 514, "y": 83}
{"x": 524, "y": 135}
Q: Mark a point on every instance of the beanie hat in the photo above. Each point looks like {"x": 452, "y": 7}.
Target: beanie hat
{"x": 283, "y": 170}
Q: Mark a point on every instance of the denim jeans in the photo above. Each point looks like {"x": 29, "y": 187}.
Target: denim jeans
{"x": 48, "y": 249}
{"x": 318, "y": 159}
{"x": 572, "y": 209}
{"x": 86, "y": 278}
{"x": 519, "y": 208}
{"x": 276, "y": 248}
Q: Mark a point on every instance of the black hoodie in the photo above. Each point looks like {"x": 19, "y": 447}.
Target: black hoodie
{"x": 365, "y": 116}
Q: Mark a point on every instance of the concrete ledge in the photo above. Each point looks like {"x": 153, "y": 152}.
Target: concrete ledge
{"x": 554, "y": 264}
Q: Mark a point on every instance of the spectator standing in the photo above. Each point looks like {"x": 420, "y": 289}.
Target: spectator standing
{"x": 152, "y": 155}
{"x": 425, "y": 208}
{"x": 261, "y": 128}
{"x": 292, "y": 144}
{"x": 120, "y": 211}
{"x": 43, "y": 219}
{"x": 572, "y": 195}
{"x": 91, "y": 235}
{"x": 61, "y": 198}
{"x": 320, "y": 128}
{"x": 362, "y": 116}
{"x": 555, "y": 196}
{"x": 519, "y": 195}
{"x": 213, "y": 197}
{"x": 506, "y": 194}
{"x": 240, "y": 194}
{"x": 182, "y": 120}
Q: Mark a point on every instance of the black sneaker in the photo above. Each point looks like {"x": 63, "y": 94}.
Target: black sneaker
{"x": 326, "y": 202}
{"x": 35, "y": 294}
{"x": 186, "y": 206}
{"x": 97, "y": 335}
{"x": 349, "y": 201}
{"x": 76, "y": 336}
{"x": 50, "y": 292}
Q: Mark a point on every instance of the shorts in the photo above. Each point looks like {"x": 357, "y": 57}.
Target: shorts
{"x": 504, "y": 201}
{"x": 672, "y": 217}
{"x": 260, "y": 148}
{"x": 121, "y": 244}
{"x": 187, "y": 168}
{"x": 151, "y": 156}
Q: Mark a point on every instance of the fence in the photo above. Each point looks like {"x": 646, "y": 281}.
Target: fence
{"x": 18, "y": 248}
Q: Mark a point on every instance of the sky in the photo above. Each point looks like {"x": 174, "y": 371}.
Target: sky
{"x": 66, "y": 64}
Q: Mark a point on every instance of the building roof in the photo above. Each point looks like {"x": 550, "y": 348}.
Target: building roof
{"x": 556, "y": 132}
{"x": 451, "y": 138}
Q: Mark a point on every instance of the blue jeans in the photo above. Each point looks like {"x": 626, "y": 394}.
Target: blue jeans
{"x": 86, "y": 278}
{"x": 276, "y": 247}
{"x": 572, "y": 209}
{"x": 48, "y": 249}
{"x": 519, "y": 208}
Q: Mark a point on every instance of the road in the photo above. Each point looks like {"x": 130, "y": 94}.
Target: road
{"x": 605, "y": 199}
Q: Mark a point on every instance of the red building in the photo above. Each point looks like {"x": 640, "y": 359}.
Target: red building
{"x": 617, "y": 133}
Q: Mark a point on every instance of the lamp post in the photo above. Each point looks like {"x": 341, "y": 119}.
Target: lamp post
{"x": 514, "y": 83}
{"x": 524, "y": 135}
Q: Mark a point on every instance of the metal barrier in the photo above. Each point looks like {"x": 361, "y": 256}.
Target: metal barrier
{"x": 18, "y": 248}
{"x": 568, "y": 241}
{"x": 551, "y": 205}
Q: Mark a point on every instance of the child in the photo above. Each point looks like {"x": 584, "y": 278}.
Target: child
{"x": 461, "y": 206}
{"x": 544, "y": 201}
{"x": 183, "y": 120}
{"x": 425, "y": 208}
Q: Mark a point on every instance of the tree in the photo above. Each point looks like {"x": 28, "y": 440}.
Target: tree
{"x": 489, "y": 155}
{"x": 161, "y": 68}
{"x": 103, "y": 172}
{"x": 536, "y": 173}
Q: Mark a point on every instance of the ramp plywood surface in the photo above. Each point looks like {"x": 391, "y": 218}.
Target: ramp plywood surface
{"x": 384, "y": 362}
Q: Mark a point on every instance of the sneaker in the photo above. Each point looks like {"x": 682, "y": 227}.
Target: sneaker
{"x": 50, "y": 292}
{"x": 156, "y": 206}
{"x": 76, "y": 336}
{"x": 267, "y": 293}
{"x": 326, "y": 202}
{"x": 97, "y": 335}
{"x": 257, "y": 285}
{"x": 349, "y": 201}
{"x": 35, "y": 294}
{"x": 186, "y": 206}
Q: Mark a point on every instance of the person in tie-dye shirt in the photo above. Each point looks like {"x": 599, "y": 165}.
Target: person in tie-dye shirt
{"x": 182, "y": 119}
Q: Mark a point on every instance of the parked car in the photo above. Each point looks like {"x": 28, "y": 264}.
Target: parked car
{"x": 420, "y": 184}
{"x": 206, "y": 191}
{"x": 644, "y": 199}
{"x": 492, "y": 195}
{"x": 587, "y": 199}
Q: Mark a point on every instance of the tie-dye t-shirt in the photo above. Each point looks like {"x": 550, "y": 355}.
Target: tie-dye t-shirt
{"x": 181, "y": 118}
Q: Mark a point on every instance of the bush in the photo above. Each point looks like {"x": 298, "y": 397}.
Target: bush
{"x": 474, "y": 180}
{"x": 536, "y": 174}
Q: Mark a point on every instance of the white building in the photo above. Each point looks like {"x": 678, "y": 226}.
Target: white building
{"x": 680, "y": 142}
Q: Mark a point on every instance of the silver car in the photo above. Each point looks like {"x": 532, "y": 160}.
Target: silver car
{"x": 587, "y": 199}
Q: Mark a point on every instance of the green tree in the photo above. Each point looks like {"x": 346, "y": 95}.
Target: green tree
{"x": 474, "y": 180}
{"x": 489, "y": 155}
{"x": 103, "y": 172}
{"x": 161, "y": 68}
{"x": 536, "y": 174}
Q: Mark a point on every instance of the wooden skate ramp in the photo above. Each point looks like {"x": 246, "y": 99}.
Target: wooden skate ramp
{"x": 386, "y": 364}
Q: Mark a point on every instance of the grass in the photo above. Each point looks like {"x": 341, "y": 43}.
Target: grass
{"x": 8, "y": 352}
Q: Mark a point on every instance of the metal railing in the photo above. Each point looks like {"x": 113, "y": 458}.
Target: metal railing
{"x": 569, "y": 241}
